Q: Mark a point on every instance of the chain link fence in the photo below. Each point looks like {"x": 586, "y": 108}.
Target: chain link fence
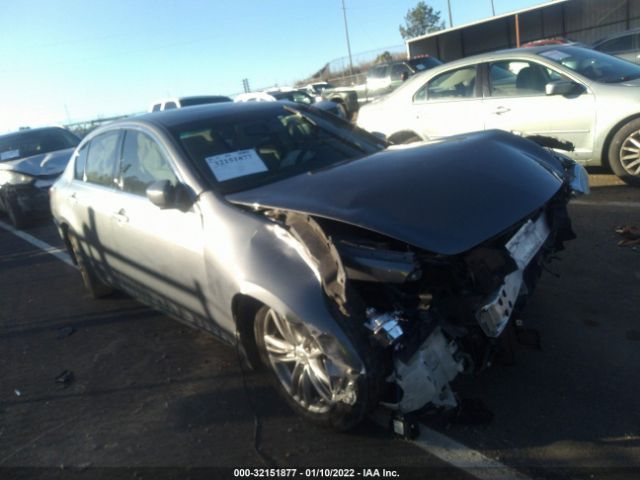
{"x": 339, "y": 72}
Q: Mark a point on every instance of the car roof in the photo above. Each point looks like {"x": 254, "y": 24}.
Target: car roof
{"x": 215, "y": 111}
{"x": 37, "y": 129}
{"x": 616, "y": 35}
{"x": 531, "y": 52}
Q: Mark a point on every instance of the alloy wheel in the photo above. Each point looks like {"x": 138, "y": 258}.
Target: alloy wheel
{"x": 308, "y": 375}
{"x": 630, "y": 153}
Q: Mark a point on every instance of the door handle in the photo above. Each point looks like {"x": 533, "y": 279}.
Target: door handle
{"x": 501, "y": 110}
{"x": 74, "y": 198}
{"x": 121, "y": 216}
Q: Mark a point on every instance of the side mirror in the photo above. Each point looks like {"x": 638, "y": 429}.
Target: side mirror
{"x": 562, "y": 87}
{"x": 162, "y": 194}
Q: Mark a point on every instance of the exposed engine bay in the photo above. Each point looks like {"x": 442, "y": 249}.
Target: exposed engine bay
{"x": 429, "y": 317}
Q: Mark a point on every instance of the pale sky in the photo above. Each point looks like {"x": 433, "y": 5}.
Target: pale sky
{"x": 73, "y": 60}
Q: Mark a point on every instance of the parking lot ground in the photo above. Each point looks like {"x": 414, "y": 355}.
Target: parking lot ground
{"x": 148, "y": 392}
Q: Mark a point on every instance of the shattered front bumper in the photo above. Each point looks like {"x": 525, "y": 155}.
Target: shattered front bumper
{"x": 424, "y": 377}
{"x": 523, "y": 247}
{"x": 32, "y": 198}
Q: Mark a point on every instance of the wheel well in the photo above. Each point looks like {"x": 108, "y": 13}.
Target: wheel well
{"x": 609, "y": 138}
{"x": 64, "y": 230}
{"x": 244, "y": 310}
{"x": 400, "y": 137}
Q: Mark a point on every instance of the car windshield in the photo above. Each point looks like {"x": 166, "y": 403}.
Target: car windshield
{"x": 242, "y": 153}
{"x": 34, "y": 142}
{"x": 594, "y": 65}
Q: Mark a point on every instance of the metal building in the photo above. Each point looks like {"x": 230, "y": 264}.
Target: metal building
{"x": 578, "y": 20}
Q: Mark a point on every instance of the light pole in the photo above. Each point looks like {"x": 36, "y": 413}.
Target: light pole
{"x": 450, "y": 17}
{"x": 346, "y": 31}
{"x": 493, "y": 8}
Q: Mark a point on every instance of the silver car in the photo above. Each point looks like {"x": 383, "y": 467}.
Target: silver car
{"x": 358, "y": 274}
{"x": 576, "y": 95}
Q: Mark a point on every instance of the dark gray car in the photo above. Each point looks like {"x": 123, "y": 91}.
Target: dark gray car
{"x": 358, "y": 274}
{"x": 30, "y": 161}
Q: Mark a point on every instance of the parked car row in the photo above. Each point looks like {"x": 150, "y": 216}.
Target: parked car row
{"x": 297, "y": 96}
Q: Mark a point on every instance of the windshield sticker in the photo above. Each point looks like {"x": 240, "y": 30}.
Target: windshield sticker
{"x": 9, "y": 154}
{"x": 555, "y": 55}
{"x": 235, "y": 164}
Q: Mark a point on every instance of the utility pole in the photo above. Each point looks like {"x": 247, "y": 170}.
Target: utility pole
{"x": 450, "y": 17}
{"x": 346, "y": 31}
{"x": 493, "y": 8}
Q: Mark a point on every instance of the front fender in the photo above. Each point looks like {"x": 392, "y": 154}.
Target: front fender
{"x": 282, "y": 274}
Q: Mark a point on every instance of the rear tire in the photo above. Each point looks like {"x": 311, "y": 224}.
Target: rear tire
{"x": 624, "y": 153}
{"x": 94, "y": 286}
{"x": 306, "y": 376}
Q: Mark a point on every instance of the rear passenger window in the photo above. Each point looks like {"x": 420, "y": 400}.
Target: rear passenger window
{"x": 101, "y": 158}
{"x": 143, "y": 162}
{"x": 81, "y": 160}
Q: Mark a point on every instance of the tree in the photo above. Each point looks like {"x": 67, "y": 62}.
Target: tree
{"x": 384, "y": 57}
{"x": 420, "y": 20}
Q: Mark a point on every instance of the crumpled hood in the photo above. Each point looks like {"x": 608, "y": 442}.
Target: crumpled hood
{"x": 45, "y": 164}
{"x": 445, "y": 197}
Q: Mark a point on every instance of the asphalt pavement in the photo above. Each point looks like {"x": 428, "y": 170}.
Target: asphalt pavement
{"x": 112, "y": 389}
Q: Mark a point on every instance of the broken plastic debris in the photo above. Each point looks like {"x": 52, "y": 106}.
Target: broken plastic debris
{"x": 65, "y": 377}
{"x": 630, "y": 235}
{"x": 17, "y": 392}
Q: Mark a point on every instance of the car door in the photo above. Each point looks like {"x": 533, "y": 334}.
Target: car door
{"x": 447, "y": 104}
{"x": 516, "y": 101}
{"x": 160, "y": 250}
{"x": 91, "y": 198}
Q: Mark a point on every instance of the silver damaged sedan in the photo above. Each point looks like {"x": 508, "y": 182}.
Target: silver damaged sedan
{"x": 358, "y": 274}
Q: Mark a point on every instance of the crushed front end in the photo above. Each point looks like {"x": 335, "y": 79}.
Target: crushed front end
{"x": 430, "y": 316}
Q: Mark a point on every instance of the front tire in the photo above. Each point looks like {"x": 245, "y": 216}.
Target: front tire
{"x": 94, "y": 286}
{"x": 624, "y": 153}
{"x": 320, "y": 388}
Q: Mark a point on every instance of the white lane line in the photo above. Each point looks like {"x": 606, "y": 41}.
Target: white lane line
{"x": 44, "y": 246}
{"x": 456, "y": 454}
{"x": 606, "y": 204}
{"x": 463, "y": 457}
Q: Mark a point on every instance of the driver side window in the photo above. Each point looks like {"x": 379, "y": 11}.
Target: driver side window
{"x": 520, "y": 78}
{"x": 143, "y": 162}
